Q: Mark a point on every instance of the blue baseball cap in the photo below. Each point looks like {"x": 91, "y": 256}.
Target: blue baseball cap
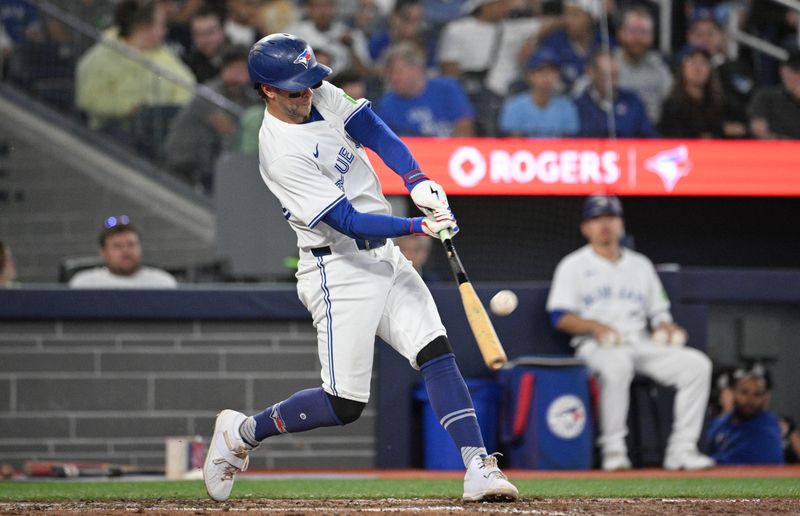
{"x": 543, "y": 57}
{"x": 598, "y": 205}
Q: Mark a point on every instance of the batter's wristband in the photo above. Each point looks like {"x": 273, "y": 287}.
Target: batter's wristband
{"x": 416, "y": 226}
{"x": 412, "y": 178}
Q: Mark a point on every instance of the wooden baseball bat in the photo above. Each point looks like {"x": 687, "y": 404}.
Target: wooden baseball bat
{"x": 492, "y": 350}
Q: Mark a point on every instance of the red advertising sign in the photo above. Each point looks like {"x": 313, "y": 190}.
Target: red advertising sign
{"x": 517, "y": 166}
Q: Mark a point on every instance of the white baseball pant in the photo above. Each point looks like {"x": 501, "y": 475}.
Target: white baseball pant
{"x": 686, "y": 369}
{"x": 354, "y": 295}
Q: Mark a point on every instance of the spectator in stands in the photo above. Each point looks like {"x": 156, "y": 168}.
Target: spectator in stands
{"x": 367, "y": 18}
{"x": 277, "y": 15}
{"x": 775, "y": 111}
{"x": 347, "y": 46}
{"x": 121, "y": 250}
{"x": 8, "y": 269}
{"x": 178, "y": 37}
{"x": 576, "y": 41}
{"x": 610, "y": 299}
{"x": 208, "y": 42}
{"x": 20, "y": 21}
{"x": 777, "y": 24}
{"x": 750, "y": 434}
{"x": 694, "y": 106}
{"x": 540, "y": 111}
{"x": 418, "y": 250}
{"x": 203, "y": 129}
{"x": 406, "y": 23}
{"x": 242, "y": 23}
{"x": 418, "y": 106}
{"x": 352, "y": 84}
{"x": 735, "y": 76}
{"x": 467, "y": 51}
{"x": 117, "y": 91}
{"x": 594, "y": 105}
{"x": 642, "y": 69}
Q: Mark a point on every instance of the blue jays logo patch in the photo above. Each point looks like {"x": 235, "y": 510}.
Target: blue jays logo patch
{"x": 304, "y": 57}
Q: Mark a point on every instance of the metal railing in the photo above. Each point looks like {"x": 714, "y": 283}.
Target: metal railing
{"x": 737, "y": 37}
{"x": 664, "y": 25}
{"x": 88, "y": 30}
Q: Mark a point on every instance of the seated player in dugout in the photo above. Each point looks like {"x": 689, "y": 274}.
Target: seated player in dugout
{"x": 351, "y": 277}
{"x": 750, "y": 433}
{"x": 612, "y": 302}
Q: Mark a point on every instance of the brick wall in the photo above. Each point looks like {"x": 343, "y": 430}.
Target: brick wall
{"x": 112, "y": 390}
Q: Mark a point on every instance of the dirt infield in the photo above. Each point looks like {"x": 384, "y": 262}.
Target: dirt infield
{"x": 420, "y": 507}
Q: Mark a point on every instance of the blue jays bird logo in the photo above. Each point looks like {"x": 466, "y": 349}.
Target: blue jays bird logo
{"x": 304, "y": 57}
{"x": 670, "y": 165}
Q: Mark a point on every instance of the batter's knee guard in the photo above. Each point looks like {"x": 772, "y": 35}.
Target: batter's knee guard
{"x": 346, "y": 410}
{"x": 435, "y": 348}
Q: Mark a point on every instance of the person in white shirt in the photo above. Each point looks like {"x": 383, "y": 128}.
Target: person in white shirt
{"x": 121, "y": 250}
{"x": 641, "y": 68}
{"x": 612, "y": 302}
{"x": 347, "y": 46}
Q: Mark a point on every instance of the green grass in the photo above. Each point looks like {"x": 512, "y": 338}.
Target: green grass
{"x": 357, "y": 488}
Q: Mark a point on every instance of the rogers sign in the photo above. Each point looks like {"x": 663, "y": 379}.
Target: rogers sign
{"x": 521, "y": 166}
{"x": 468, "y": 166}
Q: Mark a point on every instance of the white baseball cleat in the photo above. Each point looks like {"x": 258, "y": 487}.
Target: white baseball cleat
{"x": 227, "y": 455}
{"x": 617, "y": 461}
{"x": 484, "y": 482}
{"x": 688, "y": 460}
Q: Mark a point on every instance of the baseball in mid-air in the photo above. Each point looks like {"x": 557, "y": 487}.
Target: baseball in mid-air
{"x": 503, "y": 303}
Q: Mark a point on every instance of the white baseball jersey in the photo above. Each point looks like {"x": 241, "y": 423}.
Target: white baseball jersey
{"x": 624, "y": 295}
{"x": 352, "y": 294}
{"x": 309, "y": 167}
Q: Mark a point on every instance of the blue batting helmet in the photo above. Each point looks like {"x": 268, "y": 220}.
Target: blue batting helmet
{"x": 286, "y": 62}
{"x": 599, "y": 205}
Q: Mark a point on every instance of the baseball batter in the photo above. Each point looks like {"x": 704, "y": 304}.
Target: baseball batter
{"x": 355, "y": 283}
{"x": 609, "y": 297}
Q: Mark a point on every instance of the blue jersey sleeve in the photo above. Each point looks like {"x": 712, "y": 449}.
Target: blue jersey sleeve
{"x": 368, "y": 129}
{"x": 347, "y": 220}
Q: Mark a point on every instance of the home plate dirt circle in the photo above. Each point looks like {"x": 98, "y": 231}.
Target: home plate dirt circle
{"x": 423, "y": 507}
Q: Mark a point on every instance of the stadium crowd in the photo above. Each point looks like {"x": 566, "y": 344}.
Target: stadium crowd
{"x": 528, "y": 68}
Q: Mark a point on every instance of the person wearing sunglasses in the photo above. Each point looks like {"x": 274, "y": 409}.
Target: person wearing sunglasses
{"x": 121, "y": 250}
{"x": 351, "y": 277}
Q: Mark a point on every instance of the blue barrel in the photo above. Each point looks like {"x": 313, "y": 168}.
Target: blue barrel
{"x": 439, "y": 451}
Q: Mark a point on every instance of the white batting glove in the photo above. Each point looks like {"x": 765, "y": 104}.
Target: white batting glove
{"x": 429, "y": 195}
{"x": 438, "y": 220}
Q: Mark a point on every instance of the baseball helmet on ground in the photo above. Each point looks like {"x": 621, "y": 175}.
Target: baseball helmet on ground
{"x": 286, "y": 62}
{"x": 598, "y": 205}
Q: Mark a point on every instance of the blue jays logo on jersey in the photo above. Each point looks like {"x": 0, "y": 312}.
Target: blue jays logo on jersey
{"x": 304, "y": 57}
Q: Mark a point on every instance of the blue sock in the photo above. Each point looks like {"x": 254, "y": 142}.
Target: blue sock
{"x": 452, "y": 404}
{"x": 303, "y": 410}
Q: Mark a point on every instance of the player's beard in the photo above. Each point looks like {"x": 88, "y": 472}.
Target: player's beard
{"x": 297, "y": 112}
